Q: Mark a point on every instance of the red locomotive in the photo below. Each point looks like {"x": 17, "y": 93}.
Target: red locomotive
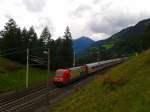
{"x": 64, "y": 76}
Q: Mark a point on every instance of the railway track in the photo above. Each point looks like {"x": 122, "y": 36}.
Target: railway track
{"x": 10, "y": 97}
{"x": 30, "y": 100}
{"x": 15, "y": 102}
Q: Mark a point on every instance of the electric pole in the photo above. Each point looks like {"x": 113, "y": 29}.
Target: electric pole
{"x": 27, "y": 69}
{"x": 74, "y": 59}
{"x": 48, "y": 67}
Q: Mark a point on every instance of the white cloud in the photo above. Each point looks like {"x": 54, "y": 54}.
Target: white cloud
{"x": 96, "y": 18}
{"x": 99, "y": 36}
{"x": 34, "y": 5}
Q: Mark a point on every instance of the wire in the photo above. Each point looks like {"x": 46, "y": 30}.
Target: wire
{"x": 10, "y": 50}
{"x": 15, "y": 49}
{"x": 12, "y": 53}
{"x": 36, "y": 48}
{"x": 38, "y": 57}
{"x": 16, "y": 52}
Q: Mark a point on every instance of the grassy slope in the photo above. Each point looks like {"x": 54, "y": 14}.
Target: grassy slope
{"x": 125, "y": 88}
{"x": 15, "y": 79}
{"x": 108, "y": 46}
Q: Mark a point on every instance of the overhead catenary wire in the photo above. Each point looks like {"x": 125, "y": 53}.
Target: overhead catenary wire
{"x": 15, "y": 49}
{"x": 33, "y": 58}
{"x": 38, "y": 61}
{"x": 37, "y": 57}
{"x": 11, "y": 53}
{"x": 37, "y": 48}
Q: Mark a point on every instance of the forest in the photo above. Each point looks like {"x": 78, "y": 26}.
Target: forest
{"x": 14, "y": 42}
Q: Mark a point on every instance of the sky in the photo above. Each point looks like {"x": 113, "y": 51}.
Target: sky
{"x": 98, "y": 19}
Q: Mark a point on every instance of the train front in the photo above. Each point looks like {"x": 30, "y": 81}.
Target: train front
{"x": 61, "y": 77}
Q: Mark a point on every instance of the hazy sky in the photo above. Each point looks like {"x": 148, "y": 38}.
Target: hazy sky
{"x": 97, "y": 19}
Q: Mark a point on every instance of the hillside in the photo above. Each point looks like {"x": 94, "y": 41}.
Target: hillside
{"x": 131, "y": 31}
{"x": 12, "y": 75}
{"x": 127, "y": 42}
{"x": 124, "y": 88}
{"x": 81, "y": 44}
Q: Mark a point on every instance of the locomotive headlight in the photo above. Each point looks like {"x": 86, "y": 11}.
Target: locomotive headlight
{"x": 61, "y": 79}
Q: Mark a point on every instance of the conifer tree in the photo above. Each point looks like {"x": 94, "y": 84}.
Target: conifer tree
{"x": 11, "y": 39}
{"x": 67, "y": 48}
{"x": 33, "y": 41}
{"x": 45, "y": 36}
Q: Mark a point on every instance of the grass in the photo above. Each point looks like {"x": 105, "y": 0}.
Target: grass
{"x": 108, "y": 46}
{"x": 125, "y": 88}
{"x": 12, "y": 75}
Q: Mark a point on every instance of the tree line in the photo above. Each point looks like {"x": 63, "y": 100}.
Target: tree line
{"x": 14, "y": 41}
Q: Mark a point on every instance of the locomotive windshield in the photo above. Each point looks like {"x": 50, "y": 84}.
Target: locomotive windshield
{"x": 59, "y": 73}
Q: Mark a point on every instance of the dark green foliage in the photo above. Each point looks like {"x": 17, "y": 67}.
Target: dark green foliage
{"x": 62, "y": 52}
{"x": 11, "y": 39}
{"x": 44, "y": 42}
{"x": 32, "y": 41}
{"x": 93, "y": 55}
{"x": 67, "y": 48}
{"x": 58, "y": 53}
{"x": 14, "y": 42}
{"x": 45, "y": 36}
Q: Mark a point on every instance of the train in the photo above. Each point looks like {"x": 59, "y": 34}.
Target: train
{"x": 65, "y": 76}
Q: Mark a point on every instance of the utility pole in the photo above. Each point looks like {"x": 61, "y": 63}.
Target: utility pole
{"x": 48, "y": 67}
{"x": 74, "y": 59}
{"x": 27, "y": 69}
{"x": 48, "y": 72}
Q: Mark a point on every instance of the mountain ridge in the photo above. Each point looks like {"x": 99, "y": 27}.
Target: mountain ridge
{"x": 129, "y": 41}
{"x": 81, "y": 44}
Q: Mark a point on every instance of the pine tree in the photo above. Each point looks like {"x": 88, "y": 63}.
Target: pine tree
{"x": 44, "y": 42}
{"x": 67, "y": 48}
{"x": 11, "y": 39}
{"x": 45, "y": 36}
{"x": 32, "y": 37}
{"x": 58, "y": 59}
{"x": 67, "y": 33}
{"x": 32, "y": 41}
{"x": 25, "y": 37}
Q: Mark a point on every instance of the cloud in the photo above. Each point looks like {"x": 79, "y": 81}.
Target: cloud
{"x": 34, "y": 5}
{"x": 8, "y": 16}
{"x": 97, "y": 19}
{"x": 80, "y": 11}
{"x": 97, "y": 1}
{"x": 114, "y": 22}
{"x": 45, "y": 21}
{"x": 99, "y": 36}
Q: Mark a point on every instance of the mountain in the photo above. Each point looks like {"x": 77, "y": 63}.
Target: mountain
{"x": 129, "y": 32}
{"x": 133, "y": 30}
{"x": 127, "y": 42}
{"x": 81, "y": 44}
